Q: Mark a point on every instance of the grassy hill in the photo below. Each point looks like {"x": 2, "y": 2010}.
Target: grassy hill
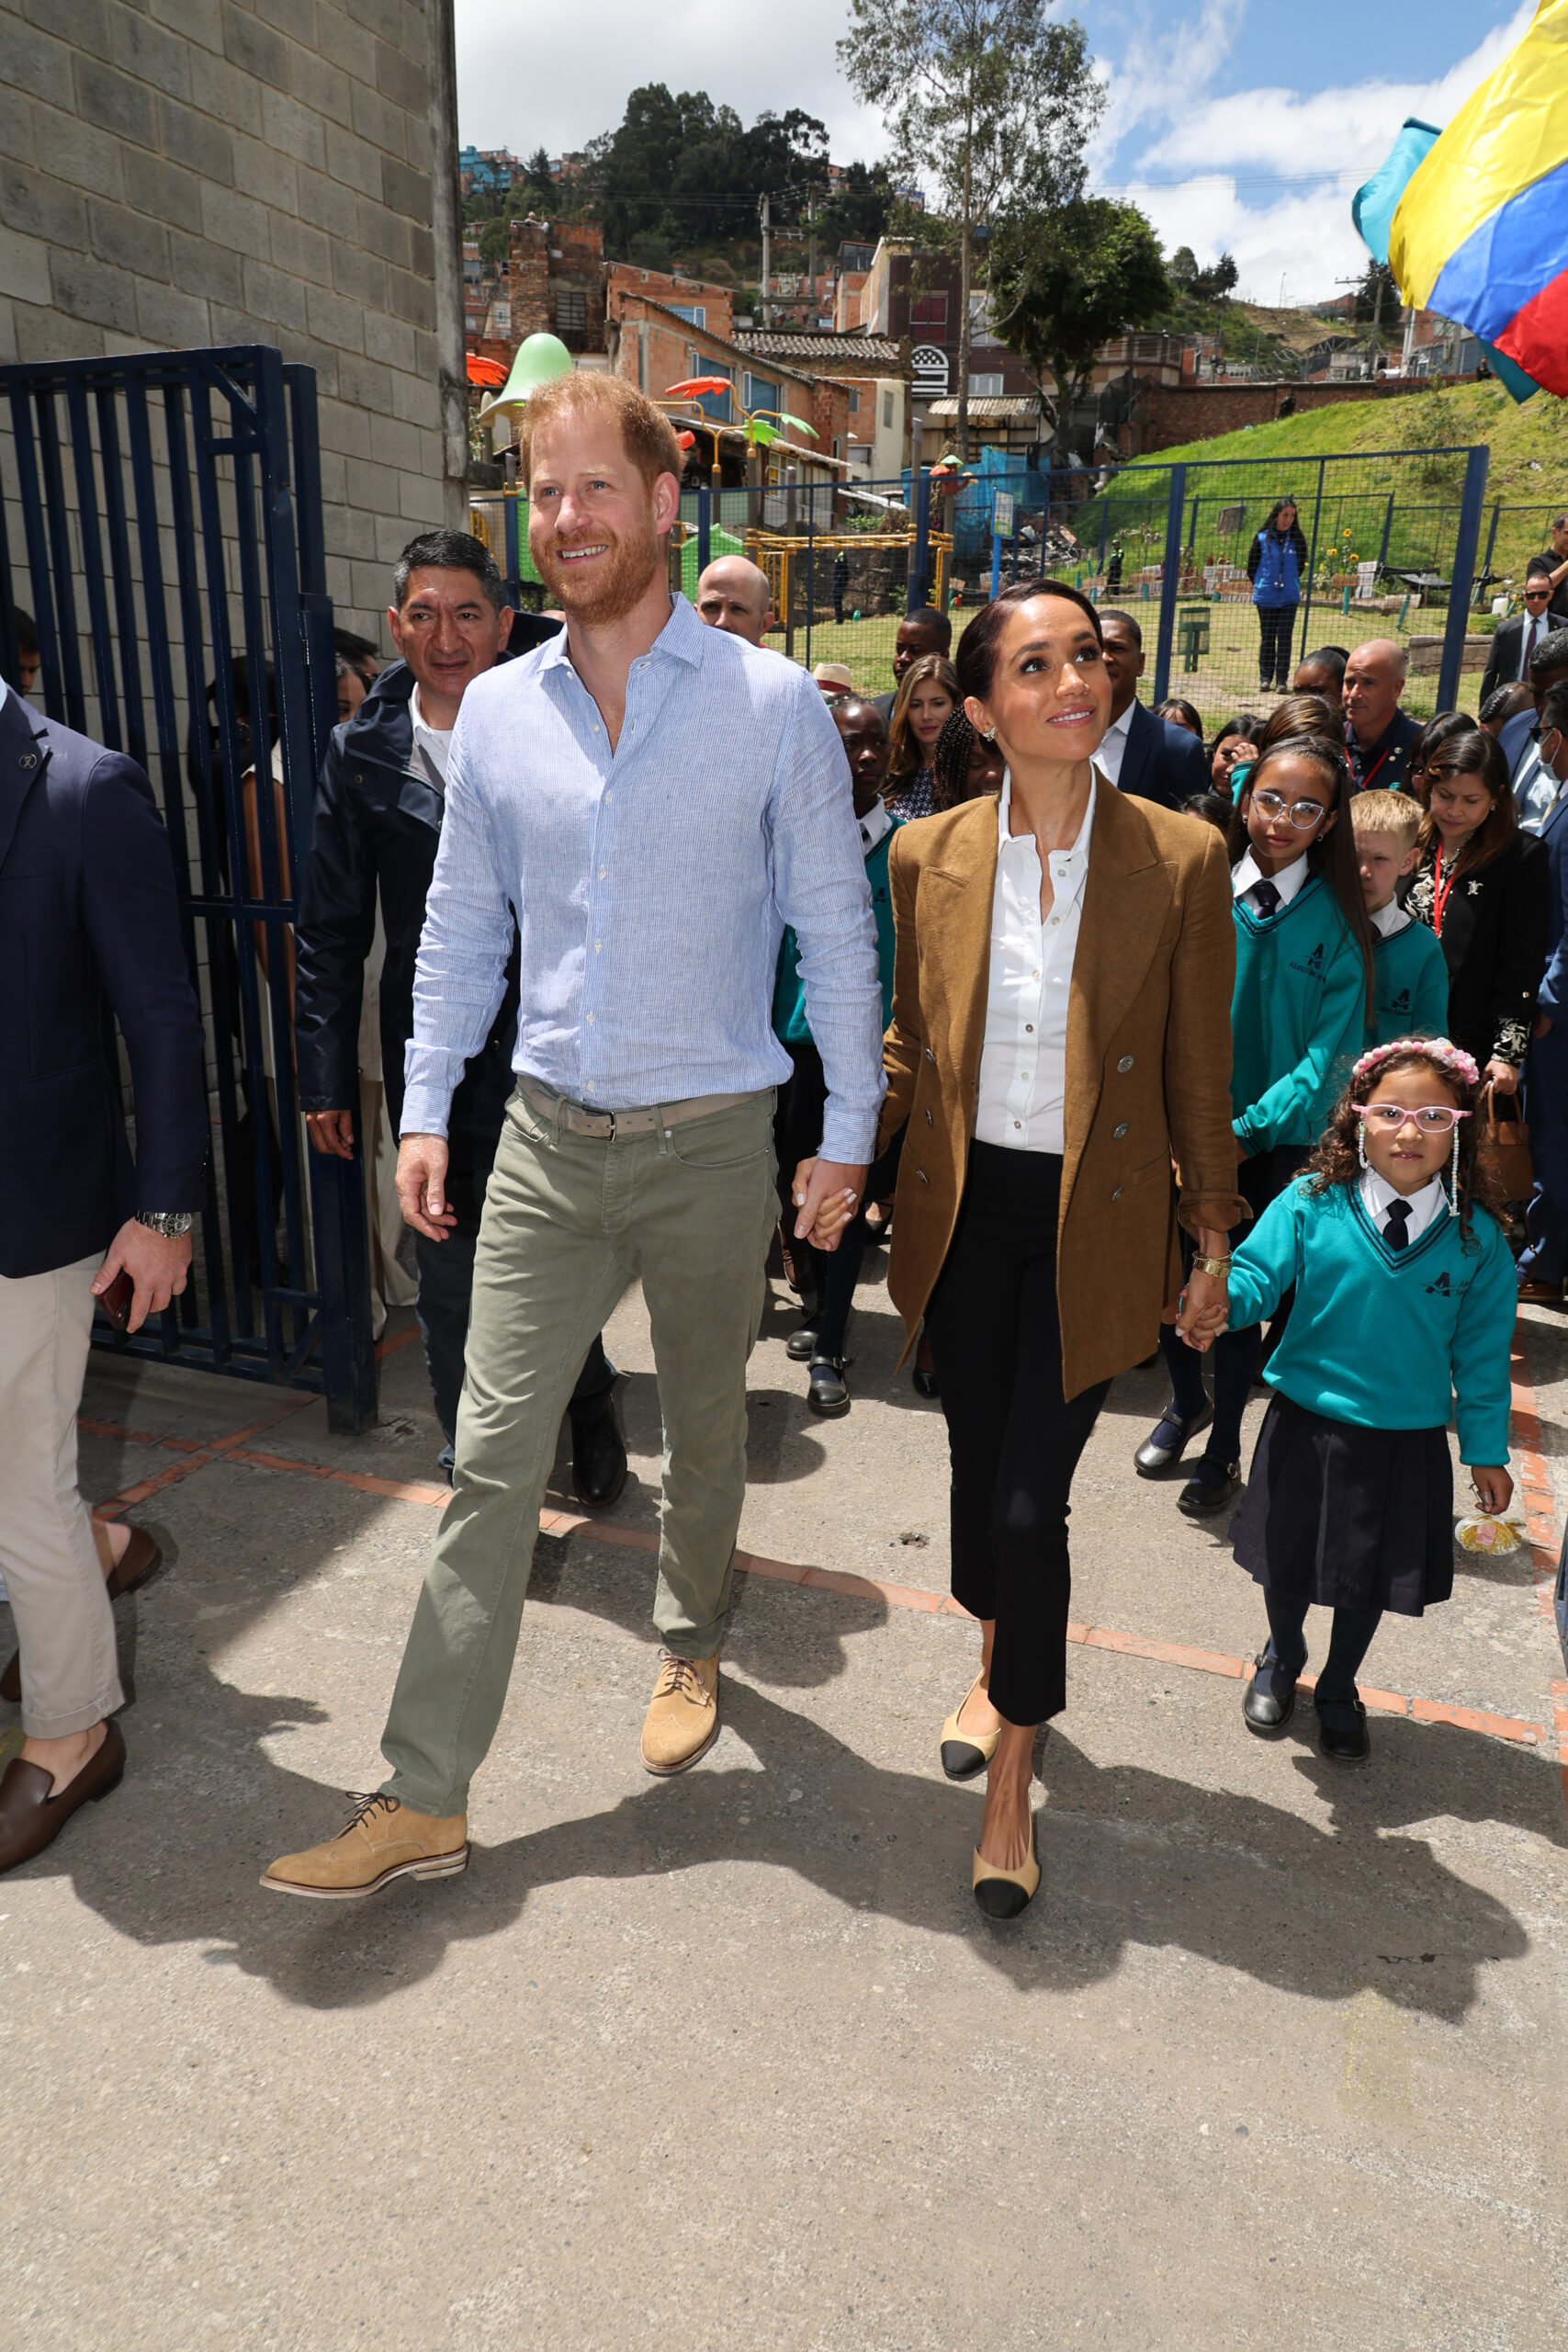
{"x": 1528, "y": 478}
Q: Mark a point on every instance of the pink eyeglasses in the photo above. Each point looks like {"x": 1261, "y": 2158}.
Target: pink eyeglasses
{"x": 1431, "y": 1119}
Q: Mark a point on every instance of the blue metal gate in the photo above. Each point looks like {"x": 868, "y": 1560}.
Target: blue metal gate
{"x": 170, "y": 517}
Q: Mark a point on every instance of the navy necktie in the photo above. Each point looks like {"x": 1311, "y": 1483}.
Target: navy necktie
{"x": 1396, "y": 1230}
{"x": 1265, "y": 897}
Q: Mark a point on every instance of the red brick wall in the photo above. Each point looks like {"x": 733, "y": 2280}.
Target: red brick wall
{"x": 623, "y": 277}
{"x": 1165, "y": 416}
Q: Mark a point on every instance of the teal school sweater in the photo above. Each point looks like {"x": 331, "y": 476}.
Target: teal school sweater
{"x": 1381, "y": 1338}
{"x": 1412, "y": 985}
{"x": 789, "y": 989}
{"x": 1298, "y": 1018}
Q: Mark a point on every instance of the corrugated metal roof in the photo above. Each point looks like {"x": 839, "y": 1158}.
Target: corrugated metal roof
{"x": 993, "y": 409}
{"x": 770, "y": 342}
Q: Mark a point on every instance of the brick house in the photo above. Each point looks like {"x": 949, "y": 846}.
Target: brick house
{"x": 875, "y": 373}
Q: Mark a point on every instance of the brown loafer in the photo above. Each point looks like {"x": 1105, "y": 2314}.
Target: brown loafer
{"x": 142, "y": 1556}
{"x": 31, "y": 1819}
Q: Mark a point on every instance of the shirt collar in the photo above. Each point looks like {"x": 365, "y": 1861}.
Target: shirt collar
{"x": 4, "y": 690}
{"x": 1120, "y": 726}
{"x": 1288, "y": 881}
{"x": 1069, "y": 866}
{"x": 1387, "y": 921}
{"x": 876, "y": 822}
{"x": 681, "y": 635}
{"x": 1431, "y": 1200}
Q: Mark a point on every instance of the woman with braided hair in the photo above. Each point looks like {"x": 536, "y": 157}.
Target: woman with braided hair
{"x": 965, "y": 764}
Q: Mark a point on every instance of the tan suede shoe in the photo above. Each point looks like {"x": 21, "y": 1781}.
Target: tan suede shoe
{"x": 683, "y": 1715}
{"x": 383, "y": 1841}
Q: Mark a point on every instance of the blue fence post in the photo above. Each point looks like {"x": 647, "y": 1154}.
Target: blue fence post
{"x": 1491, "y": 542}
{"x": 1170, "y": 575}
{"x": 705, "y": 528}
{"x": 1382, "y": 551}
{"x": 920, "y": 554}
{"x": 996, "y": 563}
{"x": 1473, "y": 499}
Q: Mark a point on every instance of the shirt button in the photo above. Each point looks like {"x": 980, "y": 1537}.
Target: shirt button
{"x": 1034, "y": 976}
{"x": 602, "y": 870}
{"x": 596, "y": 727}
{"x": 590, "y": 1087}
{"x": 1018, "y": 1122}
{"x": 1029, "y": 1028}
{"x": 608, "y": 798}
{"x": 598, "y": 947}
{"x": 591, "y": 1021}
{"x": 1055, "y": 920}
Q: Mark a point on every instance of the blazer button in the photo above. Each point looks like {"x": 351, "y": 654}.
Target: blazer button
{"x": 921, "y": 1175}
{"x": 929, "y": 1056}
{"x": 929, "y": 1120}
{"x": 1120, "y": 1131}
{"x": 1117, "y": 1194}
{"x": 1125, "y": 1064}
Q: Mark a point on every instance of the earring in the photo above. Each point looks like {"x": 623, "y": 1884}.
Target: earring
{"x": 1453, "y": 1176}
{"x": 1361, "y": 1141}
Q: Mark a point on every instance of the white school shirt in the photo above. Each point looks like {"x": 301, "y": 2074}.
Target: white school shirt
{"x": 1288, "y": 881}
{"x": 1023, "y": 1061}
{"x": 1430, "y": 1201}
{"x": 1390, "y": 921}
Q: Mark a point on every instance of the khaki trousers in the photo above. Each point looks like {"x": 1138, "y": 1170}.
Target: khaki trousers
{"x": 64, "y": 1626}
{"x": 569, "y": 1221}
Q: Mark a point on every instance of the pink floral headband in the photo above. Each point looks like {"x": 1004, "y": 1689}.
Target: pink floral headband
{"x": 1440, "y": 1050}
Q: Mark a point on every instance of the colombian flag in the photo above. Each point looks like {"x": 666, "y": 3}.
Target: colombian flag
{"x": 1479, "y": 233}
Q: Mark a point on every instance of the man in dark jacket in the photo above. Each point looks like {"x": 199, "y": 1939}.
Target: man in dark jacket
{"x": 1142, "y": 755}
{"x": 89, "y": 935}
{"x": 1378, "y": 734}
{"x": 378, "y": 823}
{"x": 1515, "y": 640}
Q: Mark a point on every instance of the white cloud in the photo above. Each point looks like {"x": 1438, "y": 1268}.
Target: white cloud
{"x": 1266, "y": 137}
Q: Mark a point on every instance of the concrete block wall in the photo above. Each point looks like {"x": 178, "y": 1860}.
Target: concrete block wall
{"x": 180, "y": 172}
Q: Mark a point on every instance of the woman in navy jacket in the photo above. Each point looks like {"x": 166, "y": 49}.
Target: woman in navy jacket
{"x": 1275, "y": 563}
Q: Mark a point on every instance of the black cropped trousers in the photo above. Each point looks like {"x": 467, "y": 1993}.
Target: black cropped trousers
{"x": 1014, "y": 1439}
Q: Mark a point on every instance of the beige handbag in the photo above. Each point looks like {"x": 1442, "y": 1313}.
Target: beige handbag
{"x": 1505, "y": 1148}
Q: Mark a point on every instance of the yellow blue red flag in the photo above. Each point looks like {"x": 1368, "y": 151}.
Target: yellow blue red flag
{"x": 1480, "y": 231}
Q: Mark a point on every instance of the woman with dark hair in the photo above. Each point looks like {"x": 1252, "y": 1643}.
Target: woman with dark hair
{"x": 1299, "y": 1013}
{"x": 1300, "y": 714}
{"x": 1483, "y": 885}
{"x": 1237, "y": 742}
{"x": 1436, "y": 730}
{"x": 965, "y": 764}
{"x": 926, "y": 700}
{"x": 1182, "y": 714}
{"x": 1275, "y": 564}
{"x": 1059, "y": 1035}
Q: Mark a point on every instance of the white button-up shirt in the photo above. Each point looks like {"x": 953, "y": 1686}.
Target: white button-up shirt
{"x": 1113, "y": 746}
{"x": 1023, "y": 1061}
{"x": 1245, "y": 874}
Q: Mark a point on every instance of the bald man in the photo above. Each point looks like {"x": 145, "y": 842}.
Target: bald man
{"x": 1378, "y": 734}
{"x": 733, "y": 594}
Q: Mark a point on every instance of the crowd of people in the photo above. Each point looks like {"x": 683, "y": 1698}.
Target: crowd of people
{"x": 1125, "y": 1046}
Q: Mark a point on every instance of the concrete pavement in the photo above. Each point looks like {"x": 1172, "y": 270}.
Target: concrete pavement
{"x": 1276, "y": 2058}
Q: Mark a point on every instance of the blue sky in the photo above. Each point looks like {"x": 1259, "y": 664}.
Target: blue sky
{"x": 1243, "y": 124}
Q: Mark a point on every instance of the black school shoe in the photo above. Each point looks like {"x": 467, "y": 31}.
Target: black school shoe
{"x": 826, "y": 1391}
{"x": 1213, "y": 1487}
{"x": 1163, "y": 1448}
{"x": 1269, "y": 1700}
{"x": 1342, "y": 1734}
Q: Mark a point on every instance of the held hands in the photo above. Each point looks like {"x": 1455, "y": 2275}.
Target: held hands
{"x": 826, "y": 1193}
{"x": 421, "y": 1185}
{"x": 156, "y": 1266}
{"x": 1494, "y": 1487}
{"x": 1204, "y": 1310}
{"x": 332, "y": 1132}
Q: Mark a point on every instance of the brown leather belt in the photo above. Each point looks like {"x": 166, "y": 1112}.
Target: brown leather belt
{"x": 606, "y": 1125}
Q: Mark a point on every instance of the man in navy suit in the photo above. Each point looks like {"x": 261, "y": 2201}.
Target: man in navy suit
{"x": 1514, "y": 640}
{"x": 1543, "y": 1266}
{"x": 89, "y": 935}
{"x": 1535, "y": 787}
{"x": 1142, "y": 755}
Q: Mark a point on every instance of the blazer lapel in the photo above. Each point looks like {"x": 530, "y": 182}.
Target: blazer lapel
{"x": 1127, "y": 895}
{"x": 24, "y": 755}
{"x": 955, "y": 926}
{"x": 1135, "y": 755}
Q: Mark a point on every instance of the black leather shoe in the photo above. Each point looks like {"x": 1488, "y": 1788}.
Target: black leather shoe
{"x": 598, "y": 1452}
{"x": 30, "y": 1818}
{"x": 1269, "y": 1700}
{"x": 1342, "y": 1734}
{"x": 826, "y": 1391}
{"x": 1167, "y": 1442}
{"x": 801, "y": 1345}
{"x": 924, "y": 1382}
{"x": 1213, "y": 1487}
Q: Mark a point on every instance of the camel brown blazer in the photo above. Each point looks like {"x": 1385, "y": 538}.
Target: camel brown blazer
{"x": 1148, "y": 1063}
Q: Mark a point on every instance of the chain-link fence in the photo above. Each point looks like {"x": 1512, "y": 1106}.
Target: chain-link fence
{"x": 1391, "y": 550}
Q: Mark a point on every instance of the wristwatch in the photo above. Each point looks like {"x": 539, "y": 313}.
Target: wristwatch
{"x": 1210, "y": 1266}
{"x": 172, "y": 1224}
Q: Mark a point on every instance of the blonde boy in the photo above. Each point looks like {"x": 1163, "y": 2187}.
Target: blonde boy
{"x": 1411, "y": 972}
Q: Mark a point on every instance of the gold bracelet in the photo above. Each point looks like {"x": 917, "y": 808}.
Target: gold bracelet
{"x": 1210, "y": 1265}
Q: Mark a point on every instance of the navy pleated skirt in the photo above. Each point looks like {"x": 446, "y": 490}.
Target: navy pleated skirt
{"x": 1350, "y": 1518}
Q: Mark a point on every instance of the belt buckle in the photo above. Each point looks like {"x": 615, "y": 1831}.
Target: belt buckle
{"x": 611, "y": 1116}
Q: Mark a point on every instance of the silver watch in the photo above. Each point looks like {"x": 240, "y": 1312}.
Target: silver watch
{"x": 172, "y": 1224}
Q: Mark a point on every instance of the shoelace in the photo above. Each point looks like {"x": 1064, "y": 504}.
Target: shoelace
{"x": 365, "y": 1802}
{"x": 679, "y": 1679}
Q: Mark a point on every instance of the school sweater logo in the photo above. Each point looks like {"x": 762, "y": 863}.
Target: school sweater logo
{"x": 1313, "y": 968}
{"x": 1443, "y": 1287}
{"x": 1400, "y": 1003}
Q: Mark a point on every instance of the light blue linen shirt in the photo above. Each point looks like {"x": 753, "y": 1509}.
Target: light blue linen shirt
{"x": 651, "y": 888}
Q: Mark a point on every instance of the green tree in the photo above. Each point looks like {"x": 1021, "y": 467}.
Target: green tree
{"x": 858, "y": 208}
{"x": 681, "y": 171}
{"x": 1182, "y": 269}
{"x": 986, "y": 99}
{"x": 1070, "y": 280}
